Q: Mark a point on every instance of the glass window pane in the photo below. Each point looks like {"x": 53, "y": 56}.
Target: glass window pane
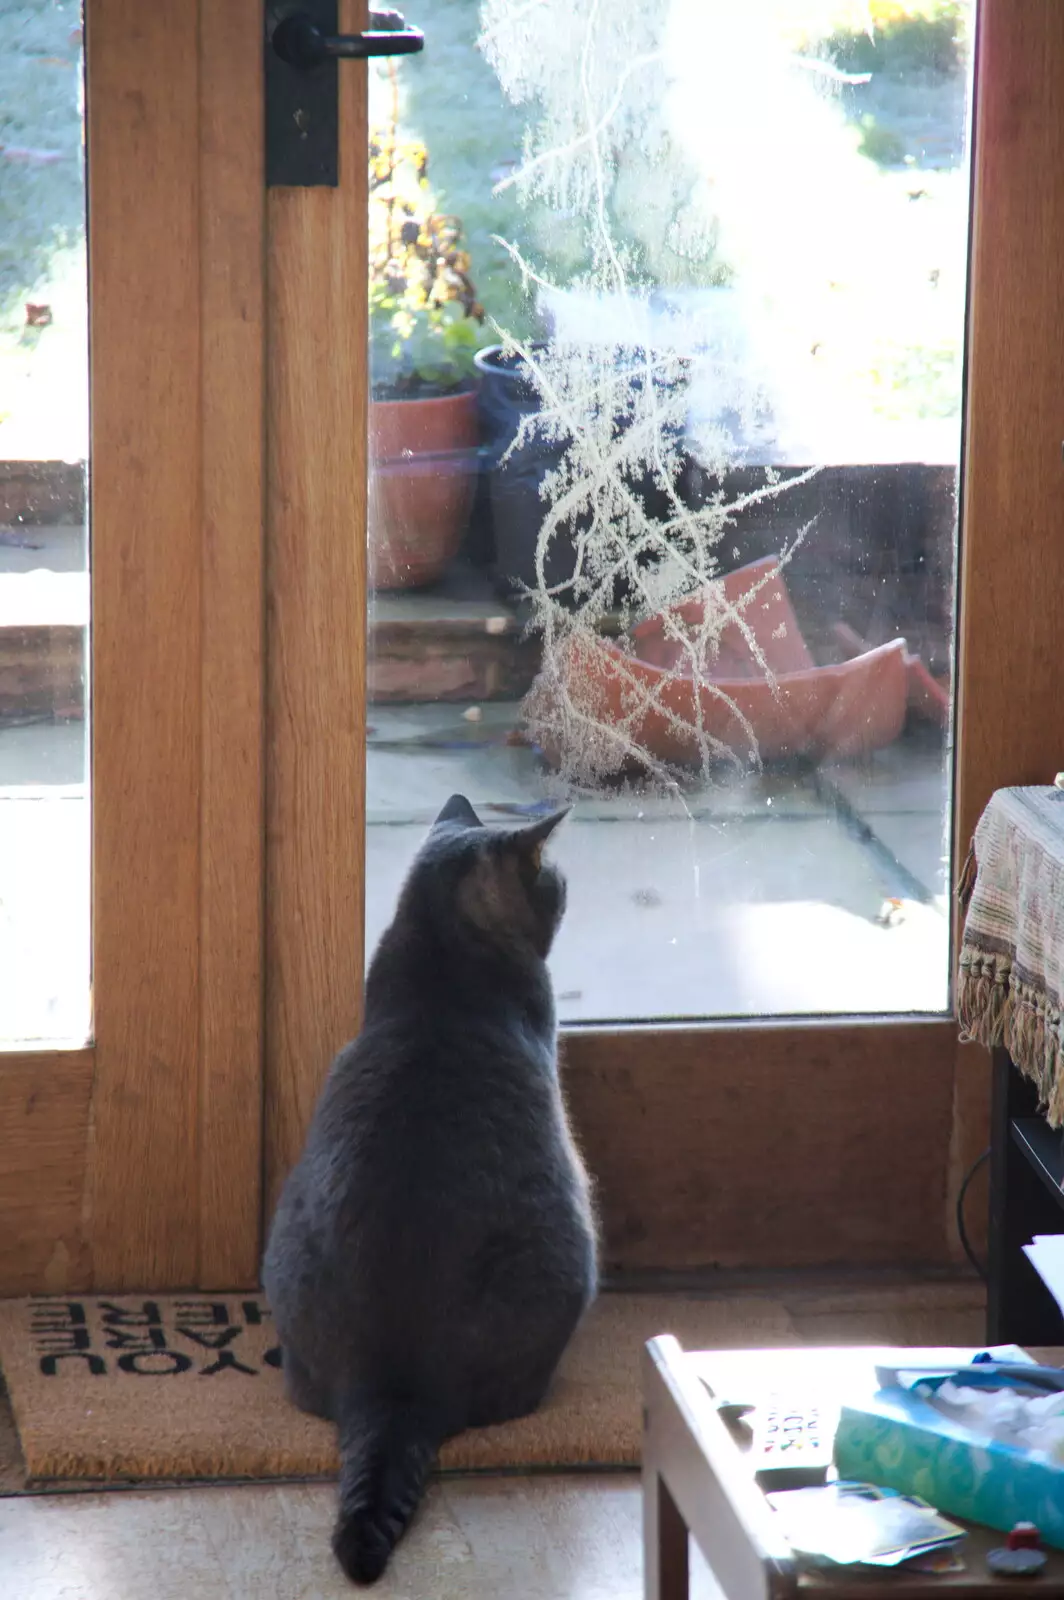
{"x": 667, "y": 316}
{"x": 44, "y": 578}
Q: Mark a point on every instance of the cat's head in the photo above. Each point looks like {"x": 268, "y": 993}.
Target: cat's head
{"x": 496, "y": 881}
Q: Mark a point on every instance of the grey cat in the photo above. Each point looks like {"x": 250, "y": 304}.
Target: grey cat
{"x": 434, "y": 1248}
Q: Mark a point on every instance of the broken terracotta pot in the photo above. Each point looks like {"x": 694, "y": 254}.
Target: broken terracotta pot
{"x": 927, "y": 696}
{"x": 654, "y": 698}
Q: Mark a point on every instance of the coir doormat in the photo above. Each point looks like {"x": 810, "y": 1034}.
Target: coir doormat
{"x": 179, "y": 1387}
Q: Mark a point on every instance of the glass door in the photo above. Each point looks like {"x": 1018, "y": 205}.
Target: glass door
{"x": 679, "y": 542}
{"x": 667, "y": 352}
{"x": 693, "y": 284}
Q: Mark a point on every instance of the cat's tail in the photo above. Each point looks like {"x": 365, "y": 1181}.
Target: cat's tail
{"x": 387, "y": 1449}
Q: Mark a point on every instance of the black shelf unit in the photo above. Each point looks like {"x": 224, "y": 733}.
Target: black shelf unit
{"x": 1026, "y": 1197}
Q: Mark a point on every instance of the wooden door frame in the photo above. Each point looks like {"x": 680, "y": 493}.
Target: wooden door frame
{"x": 316, "y": 602}
{"x": 824, "y": 1143}
{"x": 1010, "y": 709}
{"x": 138, "y": 1161}
{"x": 804, "y": 1142}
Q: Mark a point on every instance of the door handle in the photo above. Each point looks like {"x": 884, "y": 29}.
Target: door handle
{"x": 300, "y": 41}
{"x": 302, "y": 47}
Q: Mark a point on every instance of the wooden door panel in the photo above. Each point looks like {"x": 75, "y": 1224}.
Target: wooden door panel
{"x": 797, "y": 1145}
{"x": 137, "y": 1162}
{"x": 45, "y": 1098}
{"x": 143, "y": 152}
{"x": 232, "y": 805}
{"x": 658, "y": 1110}
{"x": 1010, "y": 713}
{"x": 175, "y": 147}
{"x": 316, "y": 566}
{"x": 1010, "y": 708}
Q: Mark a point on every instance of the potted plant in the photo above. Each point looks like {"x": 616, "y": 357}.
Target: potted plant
{"x": 424, "y": 334}
{"x": 520, "y": 455}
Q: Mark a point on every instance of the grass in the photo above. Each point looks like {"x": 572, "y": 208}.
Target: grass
{"x": 42, "y": 230}
{"x": 42, "y": 192}
{"x": 903, "y": 40}
{"x": 451, "y": 99}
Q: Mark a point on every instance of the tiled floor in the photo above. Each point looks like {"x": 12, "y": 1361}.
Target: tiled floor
{"x": 44, "y": 813}
{"x": 762, "y": 897}
{"x": 44, "y": 884}
{"x": 759, "y": 898}
{"x": 522, "y": 1539}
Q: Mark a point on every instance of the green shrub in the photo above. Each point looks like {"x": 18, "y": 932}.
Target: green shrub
{"x": 904, "y": 40}
{"x": 881, "y": 144}
{"x": 425, "y": 318}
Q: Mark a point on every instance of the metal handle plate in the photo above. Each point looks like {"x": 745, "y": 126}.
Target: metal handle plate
{"x": 302, "y": 47}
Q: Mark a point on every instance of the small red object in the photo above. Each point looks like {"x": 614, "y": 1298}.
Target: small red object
{"x": 1024, "y": 1536}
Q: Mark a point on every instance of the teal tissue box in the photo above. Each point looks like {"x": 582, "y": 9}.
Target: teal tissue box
{"x": 895, "y": 1439}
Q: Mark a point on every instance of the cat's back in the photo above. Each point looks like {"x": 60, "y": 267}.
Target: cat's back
{"x": 425, "y": 1098}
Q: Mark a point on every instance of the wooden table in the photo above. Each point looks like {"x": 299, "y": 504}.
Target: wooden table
{"x": 698, "y": 1484}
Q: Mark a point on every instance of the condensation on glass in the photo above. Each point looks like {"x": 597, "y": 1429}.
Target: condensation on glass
{"x": 667, "y": 316}
{"x": 45, "y": 951}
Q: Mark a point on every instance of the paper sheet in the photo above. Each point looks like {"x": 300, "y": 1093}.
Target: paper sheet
{"x": 1046, "y": 1255}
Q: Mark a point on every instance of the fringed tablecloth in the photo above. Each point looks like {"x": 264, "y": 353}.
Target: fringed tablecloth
{"x": 1011, "y": 981}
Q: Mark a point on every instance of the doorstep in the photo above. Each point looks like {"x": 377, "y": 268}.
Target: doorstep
{"x": 455, "y": 642}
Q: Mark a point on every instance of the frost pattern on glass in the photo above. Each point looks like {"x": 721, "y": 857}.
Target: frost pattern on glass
{"x": 702, "y": 577}
{"x": 693, "y": 144}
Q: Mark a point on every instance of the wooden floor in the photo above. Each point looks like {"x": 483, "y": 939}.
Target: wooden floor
{"x": 572, "y": 1537}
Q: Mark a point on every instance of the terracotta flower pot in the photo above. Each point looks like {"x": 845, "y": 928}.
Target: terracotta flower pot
{"x": 651, "y": 694}
{"x": 422, "y": 478}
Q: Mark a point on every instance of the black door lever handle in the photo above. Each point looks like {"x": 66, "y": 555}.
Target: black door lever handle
{"x": 301, "y": 43}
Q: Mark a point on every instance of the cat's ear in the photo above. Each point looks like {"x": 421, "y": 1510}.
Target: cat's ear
{"x": 459, "y": 812}
{"x": 531, "y": 840}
